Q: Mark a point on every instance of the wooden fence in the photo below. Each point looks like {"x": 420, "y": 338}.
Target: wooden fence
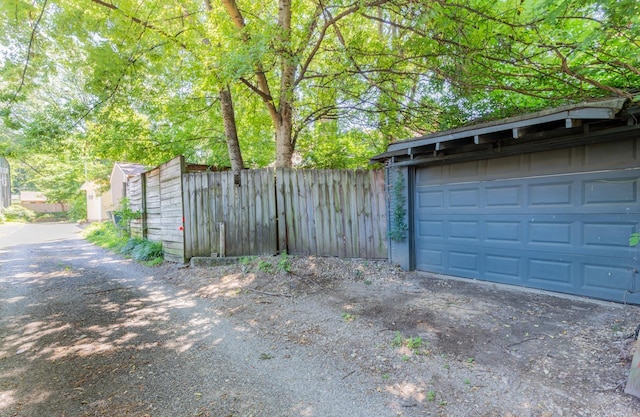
{"x": 158, "y": 195}
{"x": 225, "y": 219}
{"x": 266, "y": 211}
{"x": 332, "y": 212}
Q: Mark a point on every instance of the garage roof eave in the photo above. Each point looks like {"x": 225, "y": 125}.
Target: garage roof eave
{"x": 387, "y": 155}
{"x": 596, "y": 110}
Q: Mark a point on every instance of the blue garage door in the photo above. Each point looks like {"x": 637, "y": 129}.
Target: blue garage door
{"x": 565, "y": 233}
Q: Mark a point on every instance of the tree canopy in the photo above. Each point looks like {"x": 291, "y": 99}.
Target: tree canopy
{"x": 324, "y": 83}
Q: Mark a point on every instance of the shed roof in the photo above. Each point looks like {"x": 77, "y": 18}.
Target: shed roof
{"x": 130, "y": 168}
{"x": 566, "y": 121}
{"x": 32, "y": 196}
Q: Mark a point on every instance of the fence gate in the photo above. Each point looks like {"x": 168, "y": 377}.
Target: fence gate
{"x": 225, "y": 217}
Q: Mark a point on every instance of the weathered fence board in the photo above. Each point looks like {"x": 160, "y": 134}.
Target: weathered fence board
{"x": 313, "y": 212}
{"x": 153, "y": 212}
{"x": 157, "y": 194}
{"x": 333, "y": 213}
{"x": 136, "y": 203}
{"x": 213, "y": 198}
{"x": 171, "y": 209}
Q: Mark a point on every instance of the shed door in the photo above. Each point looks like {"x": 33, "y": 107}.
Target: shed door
{"x": 566, "y": 233}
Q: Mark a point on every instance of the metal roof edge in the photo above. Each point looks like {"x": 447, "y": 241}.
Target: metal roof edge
{"x": 588, "y": 110}
{"x": 601, "y": 109}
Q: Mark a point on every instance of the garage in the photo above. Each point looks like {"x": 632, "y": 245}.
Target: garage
{"x": 547, "y": 200}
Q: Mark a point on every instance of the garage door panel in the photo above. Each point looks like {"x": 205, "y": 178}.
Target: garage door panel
{"x": 507, "y": 196}
{"x": 620, "y": 191}
{"x": 501, "y": 231}
{"x": 503, "y": 268}
{"x": 607, "y": 278}
{"x": 431, "y": 259}
{"x": 430, "y": 229}
{"x": 566, "y": 233}
{"x": 550, "y": 273}
{"x": 606, "y": 235}
{"x": 431, "y": 198}
{"x": 465, "y": 230}
{"x": 556, "y": 195}
{"x": 466, "y": 262}
{"x": 464, "y": 198}
{"x": 556, "y": 234}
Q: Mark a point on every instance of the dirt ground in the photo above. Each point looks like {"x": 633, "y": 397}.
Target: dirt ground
{"x": 446, "y": 347}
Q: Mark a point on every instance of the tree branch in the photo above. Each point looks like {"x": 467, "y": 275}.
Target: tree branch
{"x": 328, "y": 23}
{"x": 263, "y": 83}
{"x": 570, "y": 72}
{"x": 28, "y": 58}
{"x": 141, "y": 22}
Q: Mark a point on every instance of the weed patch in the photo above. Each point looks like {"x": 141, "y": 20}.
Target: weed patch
{"x": 108, "y": 236}
{"x": 17, "y": 213}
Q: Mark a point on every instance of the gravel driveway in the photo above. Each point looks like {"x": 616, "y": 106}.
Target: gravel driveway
{"x": 86, "y": 333}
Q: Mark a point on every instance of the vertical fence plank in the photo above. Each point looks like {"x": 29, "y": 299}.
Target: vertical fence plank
{"x": 255, "y": 196}
{"x": 224, "y": 197}
{"x": 193, "y": 214}
{"x": 322, "y": 224}
{"x": 271, "y": 212}
{"x": 197, "y": 213}
{"x": 188, "y": 235}
{"x": 297, "y": 197}
{"x": 345, "y": 185}
{"x": 302, "y": 220}
{"x": 382, "y": 209}
{"x": 251, "y": 197}
{"x": 372, "y": 218}
{"x": 368, "y": 216}
{"x": 258, "y": 197}
{"x": 337, "y": 214}
{"x": 362, "y": 230}
{"x": 309, "y": 213}
{"x": 353, "y": 198}
{"x": 321, "y": 212}
{"x": 234, "y": 233}
{"x": 206, "y": 216}
{"x": 281, "y": 210}
{"x": 215, "y": 179}
{"x": 292, "y": 229}
{"x": 290, "y": 219}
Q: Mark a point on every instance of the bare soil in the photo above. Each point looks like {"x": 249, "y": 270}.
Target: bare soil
{"x": 436, "y": 346}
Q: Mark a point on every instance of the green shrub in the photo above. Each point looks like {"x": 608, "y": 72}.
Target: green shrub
{"x": 147, "y": 251}
{"x": 78, "y": 207}
{"x": 51, "y": 217}
{"x": 105, "y": 235}
{"x": 131, "y": 244}
{"x": 16, "y": 213}
{"x": 109, "y": 236}
{"x": 123, "y": 215}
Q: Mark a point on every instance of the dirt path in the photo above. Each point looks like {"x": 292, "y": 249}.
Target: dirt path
{"x": 84, "y": 333}
{"x": 427, "y": 345}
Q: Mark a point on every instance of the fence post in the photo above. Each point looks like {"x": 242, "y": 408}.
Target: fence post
{"x": 223, "y": 243}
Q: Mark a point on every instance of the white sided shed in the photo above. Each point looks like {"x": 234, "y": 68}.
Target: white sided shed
{"x": 119, "y": 175}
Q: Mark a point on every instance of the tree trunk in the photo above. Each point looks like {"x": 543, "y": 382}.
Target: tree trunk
{"x": 284, "y": 145}
{"x": 284, "y": 128}
{"x": 229, "y": 120}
